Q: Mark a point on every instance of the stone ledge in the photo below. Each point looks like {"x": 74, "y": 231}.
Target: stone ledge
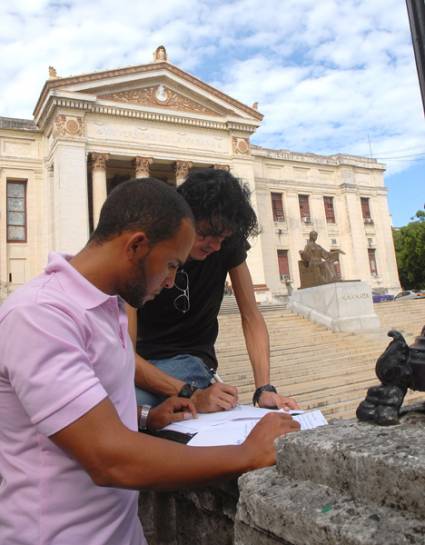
{"x": 385, "y": 466}
{"x": 286, "y": 511}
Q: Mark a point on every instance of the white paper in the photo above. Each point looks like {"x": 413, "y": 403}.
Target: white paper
{"x": 311, "y": 419}
{"x": 235, "y": 427}
{"x": 231, "y": 433}
{"x": 207, "y": 420}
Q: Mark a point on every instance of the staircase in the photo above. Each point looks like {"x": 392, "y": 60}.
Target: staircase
{"x": 319, "y": 368}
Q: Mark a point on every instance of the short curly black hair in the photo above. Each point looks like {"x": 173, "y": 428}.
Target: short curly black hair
{"x": 144, "y": 204}
{"x": 217, "y": 197}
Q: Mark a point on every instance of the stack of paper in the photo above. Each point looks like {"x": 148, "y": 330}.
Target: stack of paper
{"x": 232, "y": 427}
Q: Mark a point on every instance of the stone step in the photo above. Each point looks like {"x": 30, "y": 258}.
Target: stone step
{"x": 358, "y": 456}
{"x": 291, "y": 353}
{"x": 278, "y": 509}
{"x": 294, "y": 370}
{"x": 318, "y": 367}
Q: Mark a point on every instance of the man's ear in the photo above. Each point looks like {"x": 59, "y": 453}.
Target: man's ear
{"x": 137, "y": 245}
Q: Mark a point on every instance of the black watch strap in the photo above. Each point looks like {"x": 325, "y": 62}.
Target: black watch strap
{"x": 260, "y": 390}
{"x": 187, "y": 391}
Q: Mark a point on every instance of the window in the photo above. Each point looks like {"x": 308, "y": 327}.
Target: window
{"x": 277, "y": 207}
{"x": 282, "y": 258}
{"x": 367, "y": 218}
{"x": 329, "y": 209}
{"x": 16, "y": 211}
{"x": 304, "y": 208}
{"x": 372, "y": 262}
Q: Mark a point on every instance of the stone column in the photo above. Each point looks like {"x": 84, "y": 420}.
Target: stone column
{"x": 70, "y": 198}
{"x": 3, "y": 236}
{"x": 182, "y": 170}
{"x": 99, "y": 190}
{"x": 142, "y": 166}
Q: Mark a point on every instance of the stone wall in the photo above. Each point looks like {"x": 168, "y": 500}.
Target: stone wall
{"x": 348, "y": 483}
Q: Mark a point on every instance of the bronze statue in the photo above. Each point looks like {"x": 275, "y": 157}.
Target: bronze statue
{"x": 400, "y": 367}
{"x": 317, "y": 265}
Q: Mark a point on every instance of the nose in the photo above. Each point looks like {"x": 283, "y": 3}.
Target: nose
{"x": 215, "y": 244}
{"x": 171, "y": 278}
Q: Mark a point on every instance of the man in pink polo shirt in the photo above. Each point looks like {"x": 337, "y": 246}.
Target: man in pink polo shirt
{"x": 71, "y": 459}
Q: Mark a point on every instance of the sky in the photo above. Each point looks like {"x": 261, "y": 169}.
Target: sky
{"x": 330, "y": 76}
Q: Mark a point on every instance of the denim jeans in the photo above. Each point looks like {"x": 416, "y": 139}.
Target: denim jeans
{"x": 185, "y": 367}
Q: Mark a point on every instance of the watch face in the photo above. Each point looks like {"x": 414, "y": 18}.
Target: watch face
{"x": 186, "y": 391}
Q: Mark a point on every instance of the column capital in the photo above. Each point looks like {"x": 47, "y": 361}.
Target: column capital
{"x": 142, "y": 166}
{"x": 98, "y": 161}
{"x": 182, "y": 170}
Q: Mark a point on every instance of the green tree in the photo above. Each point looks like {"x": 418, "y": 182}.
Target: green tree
{"x": 409, "y": 242}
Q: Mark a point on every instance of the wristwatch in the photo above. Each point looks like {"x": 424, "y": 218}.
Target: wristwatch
{"x": 187, "y": 391}
{"x": 142, "y": 420}
{"x": 260, "y": 390}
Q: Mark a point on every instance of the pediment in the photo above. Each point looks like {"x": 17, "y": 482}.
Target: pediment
{"x": 161, "y": 87}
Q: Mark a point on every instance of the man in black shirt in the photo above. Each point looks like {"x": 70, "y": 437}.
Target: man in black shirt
{"x": 176, "y": 332}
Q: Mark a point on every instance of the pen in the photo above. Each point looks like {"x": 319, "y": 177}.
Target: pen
{"x": 215, "y": 377}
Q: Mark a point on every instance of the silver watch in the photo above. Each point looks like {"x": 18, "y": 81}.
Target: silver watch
{"x": 143, "y": 417}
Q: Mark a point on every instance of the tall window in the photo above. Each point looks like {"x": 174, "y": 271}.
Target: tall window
{"x": 282, "y": 258}
{"x": 329, "y": 209}
{"x": 304, "y": 208}
{"x": 367, "y": 218}
{"x": 372, "y": 262}
{"x": 16, "y": 211}
{"x": 277, "y": 206}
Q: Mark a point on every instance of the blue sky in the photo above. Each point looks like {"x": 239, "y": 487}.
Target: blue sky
{"x": 330, "y": 76}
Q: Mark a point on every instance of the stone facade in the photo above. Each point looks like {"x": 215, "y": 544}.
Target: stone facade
{"x": 92, "y": 131}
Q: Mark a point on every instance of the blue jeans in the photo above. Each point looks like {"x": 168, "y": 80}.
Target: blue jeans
{"x": 185, "y": 367}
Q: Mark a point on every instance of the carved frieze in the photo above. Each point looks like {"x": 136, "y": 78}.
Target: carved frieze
{"x": 68, "y": 125}
{"x": 18, "y": 147}
{"x": 159, "y": 95}
{"x": 142, "y": 166}
{"x": 222, "y": 167}
{"x": 241, "y": 146}
{"x": 151, "y": 135}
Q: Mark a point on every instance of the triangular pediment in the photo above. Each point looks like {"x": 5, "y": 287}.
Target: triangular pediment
{"x": 160, "y": 86}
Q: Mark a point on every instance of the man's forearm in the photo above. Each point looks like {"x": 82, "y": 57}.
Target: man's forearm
{"x": 258, "y": 347}
{"x": 113, "y": 455}
{"x": 150, "y": 378}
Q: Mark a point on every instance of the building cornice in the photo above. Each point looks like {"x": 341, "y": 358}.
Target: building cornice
{"x": 316, "y": 159}
{"x": 135, "y": 113}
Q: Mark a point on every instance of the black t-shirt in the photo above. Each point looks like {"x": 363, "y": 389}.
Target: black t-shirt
{"x": 164, "y": 331}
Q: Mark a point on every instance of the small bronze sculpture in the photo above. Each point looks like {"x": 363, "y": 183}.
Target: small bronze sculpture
{"x": 317, "y": 264}
{"x": 400, "y": 367}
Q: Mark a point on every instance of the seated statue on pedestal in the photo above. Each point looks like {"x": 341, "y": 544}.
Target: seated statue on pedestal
{"x": 317, "y": 264}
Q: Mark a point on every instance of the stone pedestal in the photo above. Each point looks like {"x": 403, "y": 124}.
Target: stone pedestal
{"x": 347, "y": 483}
{"x": 340, "y": 306}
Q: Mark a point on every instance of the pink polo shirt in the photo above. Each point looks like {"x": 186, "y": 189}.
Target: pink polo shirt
{"x": 64, "y": 347}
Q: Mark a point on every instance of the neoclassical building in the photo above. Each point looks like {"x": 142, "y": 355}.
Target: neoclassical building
{"x": 92, "y": 131}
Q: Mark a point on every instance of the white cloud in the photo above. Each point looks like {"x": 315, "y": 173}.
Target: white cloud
{"x": 329, "y": 75}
